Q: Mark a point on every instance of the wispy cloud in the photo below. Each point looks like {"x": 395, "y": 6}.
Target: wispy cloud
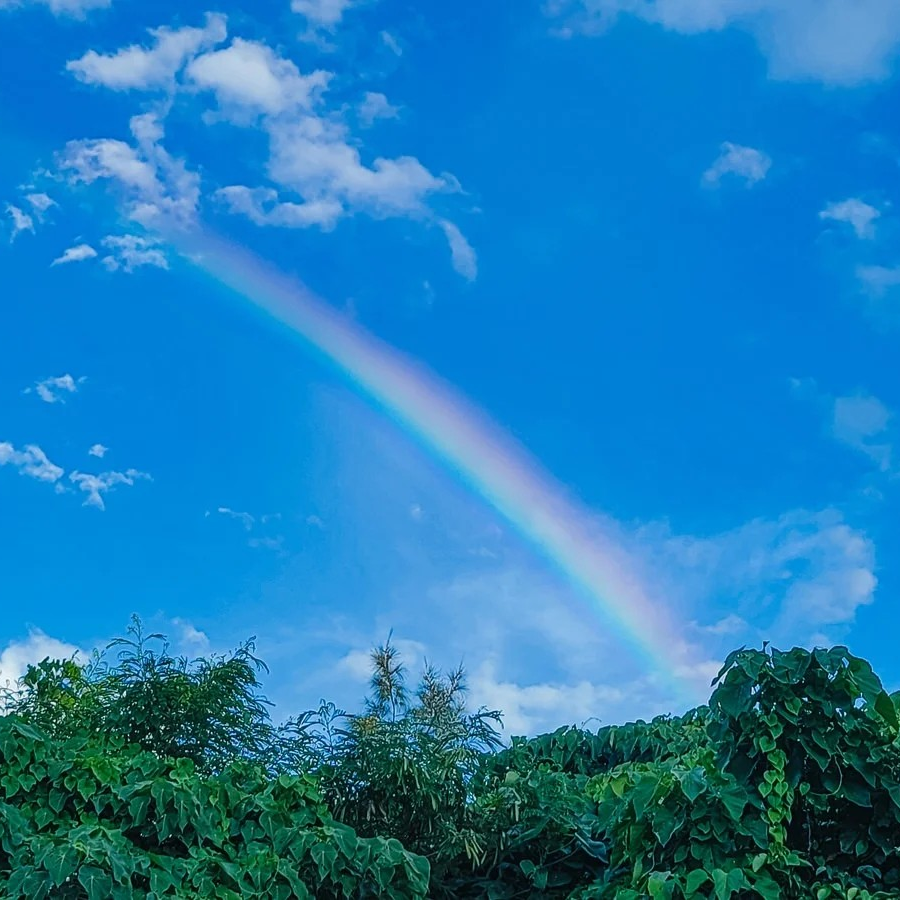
{"x": 31, "y": 462}
{"x": 790, "y": 578}
{"x": 78, "y": 253}
{"x": 267, "y": 543}
{"x": 98, "y": 450}
{"x": 465, "y": 260}
{"x": 878, "y": 280}
{"x": 863, "y": 422}
{"x": 253, "y": 525}
{"x": 95, "y": 486}
{"x": 191, "y": 637}
{"x": 40, "y": 202}
{"x": 128, "y": 252}
{"x": 21, "y": 221}
{"x": 391, "y": 43}
{"x": 262, "y": 206}
{"x": 155, "y": 187}
{"x": 860, "y": 216}
{"x": 859, "y": 420}
{"x": 841, "y": 42}
{"x": 75, "y": 9}
{"x": 244, "y": 518}
{"x": 53, "y": 390}
{"x": 326, "y": 14}
{"x": 375, "y": 106}
{"x": 744, "y": 163}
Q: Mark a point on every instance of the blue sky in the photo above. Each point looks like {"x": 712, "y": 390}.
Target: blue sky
{"x": 655, "y": 242}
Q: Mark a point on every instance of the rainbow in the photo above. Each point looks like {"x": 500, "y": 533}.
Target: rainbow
{"x": 571, "y": 537}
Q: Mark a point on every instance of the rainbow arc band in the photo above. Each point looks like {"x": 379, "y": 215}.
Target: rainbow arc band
{"x": 574, "y": 539}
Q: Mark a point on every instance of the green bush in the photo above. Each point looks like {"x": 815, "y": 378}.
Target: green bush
{"x": 79, "y": 822}
{"x": 143, "y": 775}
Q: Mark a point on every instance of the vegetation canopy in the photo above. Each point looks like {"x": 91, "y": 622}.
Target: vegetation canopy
{"x": 142, "y": 774}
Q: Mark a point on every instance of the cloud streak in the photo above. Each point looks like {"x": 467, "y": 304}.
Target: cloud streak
{"x": 840, "y": 42}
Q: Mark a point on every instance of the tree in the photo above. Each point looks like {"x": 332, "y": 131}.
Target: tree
{"x": 209, "y": 710}
{"x": 404, "y": 766}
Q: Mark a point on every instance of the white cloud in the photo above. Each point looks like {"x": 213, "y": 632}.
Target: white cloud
{"x": 315, "y": 168}
{"x": 514, "y": 614}
{"x": 31, "y": 461}
{"x": 40, "y": 202}
{"x": 17, "y": 656}
{"x": 313, "y": 157}
{"x": 267, "y": 543}
{"x": 858, "y": 215}
{"x": 741, "y": 162}
{"x": 878, "y": 280}
{"x": 251, "y": 76}
{"x": 859, "y": 421}
{"x": 143, "y": 68}
{"x": 842, "y": 42}
{"x": 98, "y": 450}
{"x": 801, "y": 574}
{"x": 78, "y": 253}
{"x": 51, "y": 390}
{"x": 376, "y": 106}
{"x": 21, "y": 221}
{"x": 727, "y": 625}
{"x": 131, "y": 251}
{"x": 391, "y": 43}
{"x": 244, "y": 518}
{"x": 465, "y": 261}
{"x": 529, "y": 709}
{"x": 76, "y": 9}
{"x": 862, "y": 422}
{"x": 325, "y": 14}
{"x": 95, "y": 486}
{"x": 263, "y": 207}
{"x": 250, "y": 523}
{"x": 191, "y": 636}
{"x": 529, "y": 706}
{"x": 157, "y": 188}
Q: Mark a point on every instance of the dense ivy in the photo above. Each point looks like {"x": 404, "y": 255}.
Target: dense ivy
{"x": 791, "y": 790}
{"x": 78, "y": 823}
{"x": 148, "y": 776}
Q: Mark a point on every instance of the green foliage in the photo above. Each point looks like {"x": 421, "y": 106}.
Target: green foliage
{"x": 791, "y": 787}
{"x": 77, "y": 822}
{"x": 404, "y": 766}
{"x": 209, "y": 710}
{"x": 150, "y": 776}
